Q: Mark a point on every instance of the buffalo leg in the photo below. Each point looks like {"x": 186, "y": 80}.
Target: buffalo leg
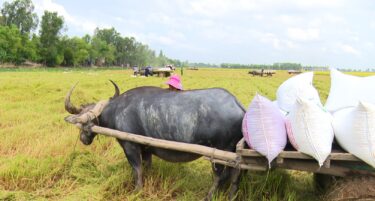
{"x": 221, "y": 175}
{"x": 133, "y": 154}
{"x": 235, "y": 176}
{"x": 146, "y": 158}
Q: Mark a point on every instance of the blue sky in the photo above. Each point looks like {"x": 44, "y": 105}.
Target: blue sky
{"x": 338, "y": 33}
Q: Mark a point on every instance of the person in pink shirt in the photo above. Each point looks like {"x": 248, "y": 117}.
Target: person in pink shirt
{"x": 174, "y": 83}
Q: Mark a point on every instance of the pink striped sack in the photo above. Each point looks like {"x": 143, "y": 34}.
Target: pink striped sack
{"x": 263, "y": 128}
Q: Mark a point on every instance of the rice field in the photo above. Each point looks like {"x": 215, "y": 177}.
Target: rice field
{"x": 41, "y": 157}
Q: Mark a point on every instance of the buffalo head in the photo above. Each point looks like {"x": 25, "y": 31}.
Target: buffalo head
{"x": 87, "y": 115}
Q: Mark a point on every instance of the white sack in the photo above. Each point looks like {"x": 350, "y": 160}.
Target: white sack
{"x": 355, "y": 131}
{"x": 347, "y": 90}
{"x": 310, "y": 129}
{"x": 297, "y": 86}
{"x": 277, "y": 106}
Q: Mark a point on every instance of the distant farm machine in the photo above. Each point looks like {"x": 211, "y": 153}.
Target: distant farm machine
{"x": 262, "y": 72}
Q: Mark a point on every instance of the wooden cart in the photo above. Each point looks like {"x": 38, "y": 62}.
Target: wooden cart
{"x": 162, "y": 72}
{"x": 347, "y": 177}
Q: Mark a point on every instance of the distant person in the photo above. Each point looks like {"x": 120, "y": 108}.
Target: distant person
{"x": 135, "y": 70}
{"x": 174, "y": 83}
{"x": 148, "y": 71}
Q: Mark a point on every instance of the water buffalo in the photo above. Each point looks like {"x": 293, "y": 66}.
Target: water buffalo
{"x": 209, "y": 117}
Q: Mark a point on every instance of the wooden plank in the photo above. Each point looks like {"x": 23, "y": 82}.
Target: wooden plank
{"x": 336, "y": 156}
{"x": 279, "y": 160}
{"x": 312, "y": 166}
{"x": 166, "y": 144}
{"x": 294, "y": 154}
{"x": 343, "y": 157}
{"x": 249, "y": 152}
{"x": 241, "y": 144}
{"x": 240, "y": 165}
{"x": 327, "y": 163}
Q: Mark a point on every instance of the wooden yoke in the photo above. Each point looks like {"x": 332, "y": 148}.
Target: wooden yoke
{"x": 224, "y": 157}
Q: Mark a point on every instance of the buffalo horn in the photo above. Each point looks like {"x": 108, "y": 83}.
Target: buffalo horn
{"x": 117, "y": 90}
{"x": 69, "y": 107}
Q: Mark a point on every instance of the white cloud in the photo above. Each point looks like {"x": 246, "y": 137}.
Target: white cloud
{"x": 299, "y": 34}
{"x": 349, "y": 49}
{"x": 42, "y": 5}
{"x": 288, "y": 19}
{"x": 119, "y": 19}
{"x": 216, "y": 8}
{"x": 317, "y": 3}
{"x": 81, "y": 23}
{"x": 369, "y": 45}
{"x": 276, "y": 41}
{"x": 270, "y": 38}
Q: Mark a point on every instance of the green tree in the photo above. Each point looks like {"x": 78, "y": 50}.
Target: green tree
{"x": 161, "y": 59}
{"x": 2, "y": 21}
{"x": 126, "y": 51}
{"x": 21, "y": 14}
{"x": 50, "y": 32}
{"x": 143, "y": 55}
{"x": 110, "y": 36}
{"x": 14, "y": 47}
{"x": 76, "y": 51}
{"x": 10, "y": 43}
{"x": 101, "y": 52}
{"x": 34, "y": 47}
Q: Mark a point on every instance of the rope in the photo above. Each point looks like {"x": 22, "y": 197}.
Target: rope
{"x": 95, "y": 117}
{"x": 237, "y": 162}
{"x": 72, "y": 154}
{"x": 90, "y": 111}
{"x": 212, "y": 158}
{"x": 75, "y": 144}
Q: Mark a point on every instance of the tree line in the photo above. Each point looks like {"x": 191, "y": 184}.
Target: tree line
{"x": 275, "y": 66}
{"x": 50, "y": 47}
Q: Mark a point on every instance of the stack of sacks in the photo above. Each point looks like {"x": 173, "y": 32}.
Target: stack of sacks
{"x": 355, "y": 131}
{"x": 348, "y": 90}
{"x": 309, "y": 129}
{"x": 297, "y": 86}
{"x": 263, "y": 128}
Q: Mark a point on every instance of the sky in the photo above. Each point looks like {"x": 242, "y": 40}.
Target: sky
{"x": 335, "y": 33}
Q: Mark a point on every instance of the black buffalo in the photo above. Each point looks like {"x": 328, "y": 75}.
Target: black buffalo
{"x": 209, "y": 117}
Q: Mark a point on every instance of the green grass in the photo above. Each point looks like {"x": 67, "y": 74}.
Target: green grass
{"x": 39, "y": 158}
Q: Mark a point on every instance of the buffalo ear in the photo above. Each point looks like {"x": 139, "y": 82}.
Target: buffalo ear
{"x": 71, "y": 119}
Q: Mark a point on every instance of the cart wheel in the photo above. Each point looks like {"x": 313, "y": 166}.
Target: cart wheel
{"x": 353, "y": 188}
{"x": 322, "y": 182}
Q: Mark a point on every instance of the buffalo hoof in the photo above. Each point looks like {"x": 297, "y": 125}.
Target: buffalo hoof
{"x": 137, "y": 189}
